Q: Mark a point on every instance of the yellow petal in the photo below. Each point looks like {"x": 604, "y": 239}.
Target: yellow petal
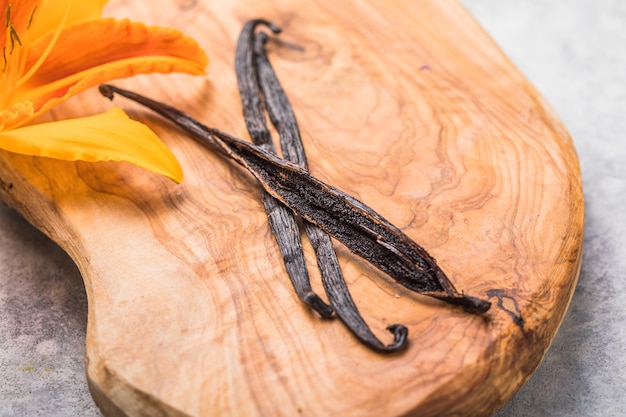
{"x": 50, "y": 13}
{"x": 95, "y": 52}
{"x": 110, "y": 136}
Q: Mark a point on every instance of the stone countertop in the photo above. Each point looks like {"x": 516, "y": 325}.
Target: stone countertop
{"x": 574, "y": 52}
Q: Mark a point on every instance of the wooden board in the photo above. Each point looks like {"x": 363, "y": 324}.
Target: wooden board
{"x": 407, "y": 105}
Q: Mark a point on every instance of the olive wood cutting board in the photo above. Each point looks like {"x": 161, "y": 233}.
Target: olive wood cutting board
{"x": 406, "y": 105}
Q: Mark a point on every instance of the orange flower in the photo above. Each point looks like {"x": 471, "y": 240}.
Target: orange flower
{"x": 55, "y": 49}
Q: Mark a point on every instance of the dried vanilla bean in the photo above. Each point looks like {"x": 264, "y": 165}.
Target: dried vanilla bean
{"x": 365, "y": 232}
{"x": 281, "y": 219}
{"x": 284, "y": 120}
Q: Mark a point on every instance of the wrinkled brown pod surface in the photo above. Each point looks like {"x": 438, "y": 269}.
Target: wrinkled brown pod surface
{"x": 406, "y": 105}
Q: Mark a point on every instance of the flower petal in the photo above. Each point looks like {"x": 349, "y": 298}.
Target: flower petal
{"x": 16, "y": 113}
{"x": 50, "y": 13}
{"x": 110, "y": 136}
{"x": 94, "y": 52}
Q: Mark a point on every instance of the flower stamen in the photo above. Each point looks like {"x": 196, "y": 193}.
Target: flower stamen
{"x": 8, "y": 14}
{"x": 30, "y": 19}
{"x": 14, "y": 37}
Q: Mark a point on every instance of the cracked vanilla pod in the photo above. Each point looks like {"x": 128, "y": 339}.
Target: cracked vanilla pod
{"x": 361, "y": 229}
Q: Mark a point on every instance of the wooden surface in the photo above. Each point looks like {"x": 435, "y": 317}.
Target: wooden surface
{"x": 406, "y": 105}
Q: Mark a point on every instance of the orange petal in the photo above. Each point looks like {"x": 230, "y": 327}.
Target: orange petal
{"x": 95, "y": 52}
{"x": 110, "y": 136}
{"x": 50, "y": 13}
{"x": 16, "y": 114}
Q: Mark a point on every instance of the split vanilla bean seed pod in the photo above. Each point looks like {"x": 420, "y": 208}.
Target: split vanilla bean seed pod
{"x": 365, "y": 232}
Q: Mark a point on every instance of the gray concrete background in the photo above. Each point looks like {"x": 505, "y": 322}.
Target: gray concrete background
{"x": 575, "y": 54}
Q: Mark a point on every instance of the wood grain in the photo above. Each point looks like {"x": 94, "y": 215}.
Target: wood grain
{"x": 406, "y": 105}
